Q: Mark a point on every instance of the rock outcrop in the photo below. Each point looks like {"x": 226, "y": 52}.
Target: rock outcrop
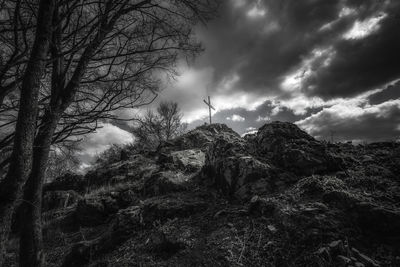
{"x": 294, "y": 150}
{"x": 232, "y": 168}
{"x": 278, "y": 197}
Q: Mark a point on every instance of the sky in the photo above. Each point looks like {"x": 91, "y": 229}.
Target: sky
{"x": 330, "y": 66}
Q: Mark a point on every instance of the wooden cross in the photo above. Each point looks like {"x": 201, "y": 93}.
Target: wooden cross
{"x": 209, "y": 106}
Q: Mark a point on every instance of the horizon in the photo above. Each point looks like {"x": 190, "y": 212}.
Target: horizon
{"x": 323, "y": 66}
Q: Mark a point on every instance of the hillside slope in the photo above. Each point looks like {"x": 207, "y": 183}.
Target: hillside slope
{"x": 213, "y": 198}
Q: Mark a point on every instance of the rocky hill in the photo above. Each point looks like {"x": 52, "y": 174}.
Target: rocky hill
{"x": 212, "y": 198}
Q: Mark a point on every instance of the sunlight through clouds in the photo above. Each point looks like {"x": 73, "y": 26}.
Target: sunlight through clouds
{"x": 362, "y": 29}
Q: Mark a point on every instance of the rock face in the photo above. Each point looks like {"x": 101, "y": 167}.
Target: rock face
{"x": 201, "y": 137}
{"x": 231, "y": 167}
{"x": 267, "y": 161}
{"x": 294, "y": 150}
{"x": 134, "y": 169}
{"x": 278, "y": 197}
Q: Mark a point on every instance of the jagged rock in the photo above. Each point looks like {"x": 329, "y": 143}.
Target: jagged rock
{"x": 166, "y": 182}
{"x": 293, "y": 149}
{"x": 135, "y": 168}
{"x": 232, "y": 168}
{"x": 163, "y": 210}
{"x": 190, "y": 160}
{"x": 59, "y": 199}
{"x": 66, "y": 182}
{"x": 200, "y": 138}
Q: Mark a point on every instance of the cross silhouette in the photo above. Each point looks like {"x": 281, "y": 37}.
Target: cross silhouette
{"x": 209, "y": 106}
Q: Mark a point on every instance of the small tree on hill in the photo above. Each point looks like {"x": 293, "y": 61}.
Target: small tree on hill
{"x": 159, "y": 126}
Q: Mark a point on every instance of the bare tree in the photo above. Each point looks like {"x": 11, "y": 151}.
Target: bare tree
{"x": 156, "y": 127}
{"x": 21, "y": 158}
{"x": 105, "y": 55}
{"x": 16, "y": 38}
{"x": 62, "y": 160}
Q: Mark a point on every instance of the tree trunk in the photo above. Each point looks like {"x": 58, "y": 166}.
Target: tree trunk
{"x": 21, "y": 158}
{"x": 31, "y": 254}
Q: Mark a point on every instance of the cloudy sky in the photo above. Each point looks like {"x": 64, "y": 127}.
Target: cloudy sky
{"x": 330, "y": 66}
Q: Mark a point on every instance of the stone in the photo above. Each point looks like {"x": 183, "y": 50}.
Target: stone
{"x": 293, "y": 149}
{"x": 198, "y": 138}
{"x": 272, "y": 228}
{"x": 133, "y": 169}
{"x": 231, "y": 168}
{"x": 190, "y": 160}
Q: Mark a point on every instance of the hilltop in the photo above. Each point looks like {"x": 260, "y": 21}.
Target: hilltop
{"x": 277, "y": 197}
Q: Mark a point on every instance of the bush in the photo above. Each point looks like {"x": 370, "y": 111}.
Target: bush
{"x": 156, "y": 127}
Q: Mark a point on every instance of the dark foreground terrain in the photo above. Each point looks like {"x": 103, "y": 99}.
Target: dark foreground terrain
{"x": 212, "y": 198}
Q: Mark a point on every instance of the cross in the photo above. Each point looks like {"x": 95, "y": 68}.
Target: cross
{"x": 209, "y": 106}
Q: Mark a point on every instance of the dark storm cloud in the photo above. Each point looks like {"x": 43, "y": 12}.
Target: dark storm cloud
{"x": 263, "y": 50}
{"x": 265, "y": 113}
{"x": 391, "y": 92}
{"x": 295, "y": 52}
{"x": 372, "y": 123}
{"x": 360, "y": 65}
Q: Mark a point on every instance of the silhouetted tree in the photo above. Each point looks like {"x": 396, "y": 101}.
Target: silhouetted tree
{"x": 21, "y": 157}
{"x": 156, "y": 127}
{"x": 104, "y": 56}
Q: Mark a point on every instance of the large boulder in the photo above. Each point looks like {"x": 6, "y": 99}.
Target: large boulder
{"x": 232, "y": 168}
{"x": 294, "y": 150}
{"x": 135, "y": 168}
{"x": 189, "y": 160}
{"x": 201, "y": 138}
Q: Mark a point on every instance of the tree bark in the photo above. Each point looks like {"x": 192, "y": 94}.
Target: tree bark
{"x": 31, "y": 254}
{"x": 21, "y": 158}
